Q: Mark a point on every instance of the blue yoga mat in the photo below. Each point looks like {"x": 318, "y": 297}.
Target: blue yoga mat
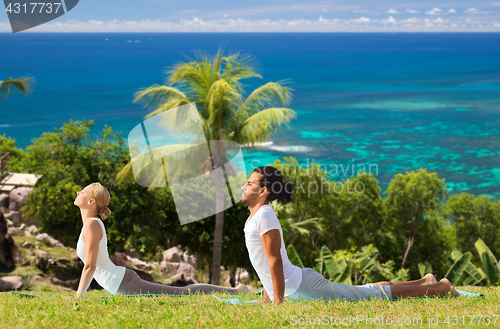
{"x": 237, "y": 301}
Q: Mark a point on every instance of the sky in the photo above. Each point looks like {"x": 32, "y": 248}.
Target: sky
{"x": 274, "y": 16}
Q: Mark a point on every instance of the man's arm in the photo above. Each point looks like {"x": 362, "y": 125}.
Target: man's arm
{"x": 272, "y": 245}
{"x": 93, "y": 233}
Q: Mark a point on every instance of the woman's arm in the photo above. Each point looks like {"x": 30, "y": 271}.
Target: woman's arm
{"x": 272, "y": 246}
{"x": 93, "y": 234}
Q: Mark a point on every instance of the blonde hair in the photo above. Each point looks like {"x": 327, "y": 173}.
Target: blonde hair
{"x": 102, "y": 198}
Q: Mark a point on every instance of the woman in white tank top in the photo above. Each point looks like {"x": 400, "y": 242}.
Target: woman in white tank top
{"x": 92, "y": 249}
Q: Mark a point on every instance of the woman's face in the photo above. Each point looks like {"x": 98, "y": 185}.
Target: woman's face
{"x": 84, "y": 196}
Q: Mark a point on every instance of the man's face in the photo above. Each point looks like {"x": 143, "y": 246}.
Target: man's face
{"x": 252, "y": 192}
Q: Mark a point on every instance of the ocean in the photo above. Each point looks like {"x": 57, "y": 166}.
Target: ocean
{"x": 391, "y": 102}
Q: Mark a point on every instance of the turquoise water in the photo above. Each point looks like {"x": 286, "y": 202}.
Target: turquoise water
{"x": 398, "y": 102}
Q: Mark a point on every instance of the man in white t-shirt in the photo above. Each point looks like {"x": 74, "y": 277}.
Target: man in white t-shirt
{"x": 280, "y": 278}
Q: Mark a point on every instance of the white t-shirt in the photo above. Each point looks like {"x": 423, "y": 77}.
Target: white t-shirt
{"x": 263, "y": 221}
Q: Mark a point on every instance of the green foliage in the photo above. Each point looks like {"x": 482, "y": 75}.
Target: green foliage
{"x": 474, "y": 218}
{"x": 8, "y": 144}
{"x": 412, "y": 198}
{"x": 490, "y": 264}
{"x": 456, "y": 270}
{"x": 468, "y": 275}
{"x": 424, "y": 269}
{"x": 293, "y": 256}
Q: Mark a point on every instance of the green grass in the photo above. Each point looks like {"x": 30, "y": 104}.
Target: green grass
{"x": 204, "y": 311}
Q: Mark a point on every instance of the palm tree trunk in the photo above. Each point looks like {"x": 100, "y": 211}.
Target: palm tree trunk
{"x": 219, "y": 225}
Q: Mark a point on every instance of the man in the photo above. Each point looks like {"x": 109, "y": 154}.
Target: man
{"x": 280, "y": 278}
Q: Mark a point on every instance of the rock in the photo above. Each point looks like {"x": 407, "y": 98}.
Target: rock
{"x": 8, "y": 283}
{"x": 14, "y": 231}
{"x": 138, "y": 263}
{"x": 28, "y": 245}
{"x": 10, "y": 254}
{"x": 172, "y": 255}
{"x": 59, "y": 244}
{"x": 26, "y": 263}
{"x": 3, "y": 227}
{"x": 120, "y": 262}
{"x": 191, "y": 259}
{"x": 55, "y": 280}
{"x": 18, "y": 197}
{"x": 179, "y": 280}
{"x": 4, "y": 200}
{"x": 40, "y": 276}
{"x": 242, "y": 276}
{"x": 171, "y": 269}
{"x": 47, "y": 240}
{"x": 26, "y": 233}
{"x": 74, "y": 257}
{"x": 31, "y": 229}
{"x": 61, "y": 260}
{"x": 9, "y": 222}
{"x": 42, "y": 260}
{"x": 122, "y": 255}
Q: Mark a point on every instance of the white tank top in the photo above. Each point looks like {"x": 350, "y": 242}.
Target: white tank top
{"x": 108, "y": 275}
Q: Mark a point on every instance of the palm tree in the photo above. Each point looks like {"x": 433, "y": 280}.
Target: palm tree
{"x": 213, "y": 83}
{"x": 23, "y": 84}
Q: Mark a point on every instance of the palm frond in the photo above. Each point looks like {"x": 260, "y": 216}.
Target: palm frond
{"x": 261, "y": 125}
{"x": 308, "y": 226}
{"x": 23, "y": 84}
{"x": 271, "y": 94}
{"x": 157, "y": 95}
{"x": 239, "y": 67}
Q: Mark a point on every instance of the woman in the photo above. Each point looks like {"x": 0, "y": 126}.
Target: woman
{"x": 92, "y": 248}
{"x": 280, "y": 278}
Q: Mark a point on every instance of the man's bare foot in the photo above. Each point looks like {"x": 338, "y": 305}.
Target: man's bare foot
{"x": 455, "y": 293}
{"x": 429, "y": 279}
{"x": 446, "y": 288}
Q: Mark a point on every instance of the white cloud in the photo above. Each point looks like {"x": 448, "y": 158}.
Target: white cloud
{"x": 360, "y": 20}
{"x": 325, "y": 10}
{"x": 392, "y": 11}
{"x": 471, "y": 10}
{"x": 411, "y": 20}
{"x": 434, "y": 11}
{"x": 412, "y": 11}
{"x": 362, "y": 24}
{"x": 225, "y": 15}
{"x": 452, "y": 11}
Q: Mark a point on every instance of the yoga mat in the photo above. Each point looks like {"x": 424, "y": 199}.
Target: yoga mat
{"x": 135, "y": 295}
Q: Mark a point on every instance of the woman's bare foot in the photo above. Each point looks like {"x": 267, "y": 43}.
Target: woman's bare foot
{"x": 429, "y": 279}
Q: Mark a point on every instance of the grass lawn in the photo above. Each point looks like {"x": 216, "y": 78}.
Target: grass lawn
{"x": 204, "y": 311}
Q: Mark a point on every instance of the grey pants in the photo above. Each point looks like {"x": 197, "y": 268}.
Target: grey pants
{"x": 315, "y": 286}
{"x": 133, "y": 284}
